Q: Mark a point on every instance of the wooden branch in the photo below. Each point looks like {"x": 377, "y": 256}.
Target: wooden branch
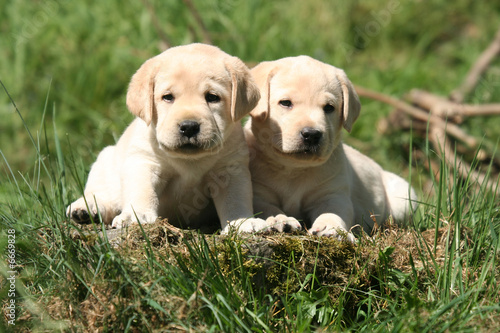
{"x": 419, "y": 114}
{"x": 445, "y": 108}
{"x": 401, "y": 121}
{"x": 474, "y": 74}
{"x": 481, "y": 110}
{"x": 444, "y": 148}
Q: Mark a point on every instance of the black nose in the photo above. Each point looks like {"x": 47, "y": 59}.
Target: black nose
{"x": 189, "y": 128}
{"x": 310, "y": 136}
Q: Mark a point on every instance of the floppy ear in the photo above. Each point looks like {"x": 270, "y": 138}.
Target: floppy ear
{"x": 244, "y": 93}
{"x": 350, "y": 100}
{"x": 140, "y": 94}
{"x": 263, "y": 73}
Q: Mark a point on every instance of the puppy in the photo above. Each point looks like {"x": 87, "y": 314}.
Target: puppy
{"x": 184, "y": 158}
{"x": 300, "y": 169}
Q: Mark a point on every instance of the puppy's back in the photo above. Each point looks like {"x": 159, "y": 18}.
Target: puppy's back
{"x": 402, "y": 197}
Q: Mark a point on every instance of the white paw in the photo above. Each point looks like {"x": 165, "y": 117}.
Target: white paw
{"x": 127, "y": 218}
{"x": 328, "y": 231}
{"x": 283, "y": 223}
{"x": 247, "y": 225}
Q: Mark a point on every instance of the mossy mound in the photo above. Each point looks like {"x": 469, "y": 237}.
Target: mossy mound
{"x": 328, "y": 270}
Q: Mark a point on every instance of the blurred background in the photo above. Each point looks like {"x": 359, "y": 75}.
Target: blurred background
{"x": 67, "y": 64}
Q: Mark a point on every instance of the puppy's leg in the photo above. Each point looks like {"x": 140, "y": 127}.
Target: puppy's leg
{"x": 274, "y": 216}
{"x": 333, "y": 214}
{"x": 141, "y": 187}
{"x": 233, "y": 202}
{"x": 101, "y": 195}
{"x": 402, "y": 198}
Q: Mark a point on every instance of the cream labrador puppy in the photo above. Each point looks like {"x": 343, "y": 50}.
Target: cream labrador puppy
{"x": 184, "y": 157}
{"x": 300, "y": 169}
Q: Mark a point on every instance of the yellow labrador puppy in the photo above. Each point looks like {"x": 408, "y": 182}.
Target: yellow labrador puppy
{"x": 184, "y": 157}
{"x": 300, "y": 169}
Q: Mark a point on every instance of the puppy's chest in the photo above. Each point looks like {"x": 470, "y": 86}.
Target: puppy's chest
{"x": 194, "y": 180}
{"x": 182, "y": 184}
{"x": 294, "y": 192}
{"x": 187, "y": 201}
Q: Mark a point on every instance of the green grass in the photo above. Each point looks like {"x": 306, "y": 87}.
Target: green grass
{"x": 67, "y": 65}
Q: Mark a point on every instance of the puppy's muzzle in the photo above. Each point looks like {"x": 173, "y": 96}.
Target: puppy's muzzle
{"x": 311, "y": 137}
{"x": 189, "y": 128}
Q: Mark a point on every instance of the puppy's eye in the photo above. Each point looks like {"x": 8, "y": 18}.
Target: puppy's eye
{"x": 328, "y": 108}
{"x": 168, "y": 98}
{"x": 212, "y": 98}
{"x": 286, "y": 103}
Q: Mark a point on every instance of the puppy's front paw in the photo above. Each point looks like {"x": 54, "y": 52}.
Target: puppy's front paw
{"x": 328, "y": 231}
{"x": 80, "y": 213}
{"x": 283, "y": 223}
{"x": 331, "y": 225}
{"x": 247, "y": 225}
{"x": 128, "y": 218}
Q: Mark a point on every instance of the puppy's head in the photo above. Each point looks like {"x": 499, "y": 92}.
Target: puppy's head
{"x": 304, "y": 105}
{"x": 193, "y": 96}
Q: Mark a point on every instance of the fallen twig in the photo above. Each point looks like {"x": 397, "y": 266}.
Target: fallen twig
{"x": 482, "y": 63}
{"x": 445, "y": 150}
{"x": 421, "y": 115}
{"x": 445, "y": 108}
